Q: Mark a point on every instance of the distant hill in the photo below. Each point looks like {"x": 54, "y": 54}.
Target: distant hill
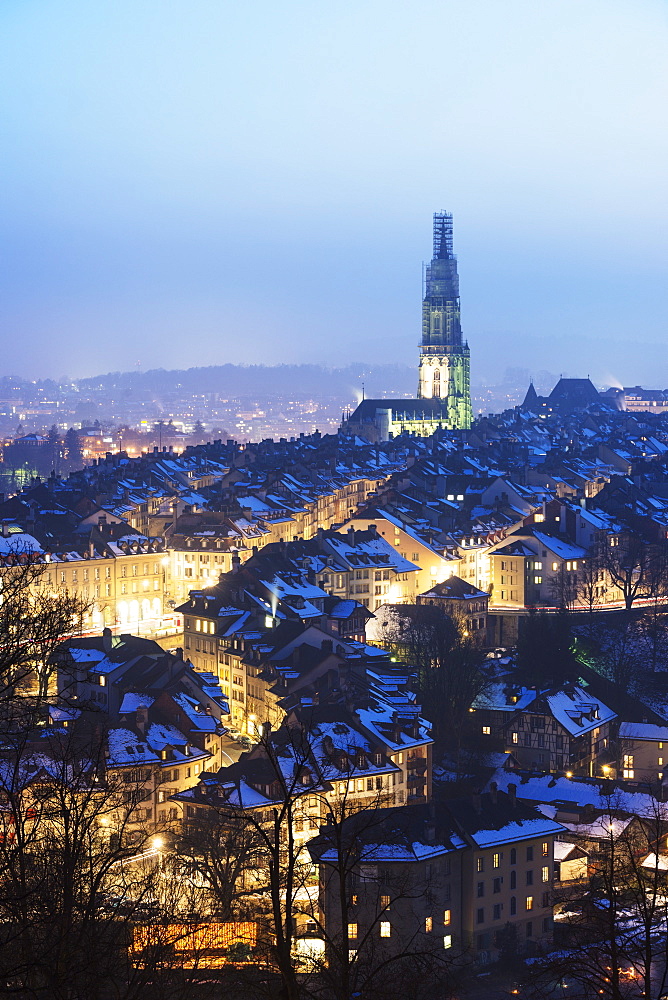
{"x": 264, "y": 380}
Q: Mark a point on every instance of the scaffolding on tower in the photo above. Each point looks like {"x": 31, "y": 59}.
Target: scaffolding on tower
{"x": 443, "y": 236}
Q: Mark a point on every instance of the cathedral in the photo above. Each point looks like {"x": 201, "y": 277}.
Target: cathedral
{"x": 444, "y": 385}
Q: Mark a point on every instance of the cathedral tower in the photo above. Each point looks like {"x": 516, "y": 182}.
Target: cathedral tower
{"x": 444, "y": 371}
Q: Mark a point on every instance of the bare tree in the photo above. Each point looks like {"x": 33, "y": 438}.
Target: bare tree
{"x": 614, "y": 930}
{"x": 626, "y": 560}
{"x": 368, "y": 877}
{"x": 654, "y": 623}
{"x": 564, "y": 585}
{"x": 449, "y": 667}
{"x": 78, "y": 869}
{"x": 254, "y": 858}
{"x": 34, "y": 620}
{"x": 591, "y": 586}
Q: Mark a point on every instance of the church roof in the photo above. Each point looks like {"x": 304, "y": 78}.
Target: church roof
{"x": 574, "y": 392}
{"x": 531, "y": 397}
{"x": 408, "y": 409}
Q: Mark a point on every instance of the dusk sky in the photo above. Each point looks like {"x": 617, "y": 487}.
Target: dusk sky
{"x": 209, "y": 181}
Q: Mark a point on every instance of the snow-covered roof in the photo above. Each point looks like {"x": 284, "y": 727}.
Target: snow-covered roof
{"x": 656, "y": 863}
{"x": 521, "y": 829}
{"x": 343, "y": 609}
{"x": 577, "y": 792}
{"x": 643, "y": 731}
{"x": 560, "y": 547}
{"x": 563, "y": 849}
{"x": 577, "y": 711}
{"x": 133, "y": 700}
{"x": 125, "y": 747}
{"x": 19, "y": 544}
{"x": 603, "y": 828}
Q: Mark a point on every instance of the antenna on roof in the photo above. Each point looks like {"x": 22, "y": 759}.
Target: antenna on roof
{"x": 363, "y": 397}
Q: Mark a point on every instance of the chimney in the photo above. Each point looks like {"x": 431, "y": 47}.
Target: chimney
{"x": 512, "y": 795}
{"x": 494, "y": 792}
{"x": 351, "y": 536}
{"x": 477, "y": 803}
{"x": 373, "y": 530}
{"x": 236, "y": 563}
{"x": 91, "y": 550}
{"x": 106, "y": 640}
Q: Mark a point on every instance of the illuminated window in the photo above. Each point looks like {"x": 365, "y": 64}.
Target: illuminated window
{"x": 628, "y": 761}
{"x": 385, "y": 902}
{"x": 516, "y": 737}
{"x": 486, "y": 730}
{"x": 496, "y": 861}
{"x": 537, "y": 579}
{"x": 545, "y": 874}
{"x": 447, "y": 941}
{"x": 480, "y": 864}
{"x": 103, "y": 681}
{"x": 385, "y": 929}
{"x": 529, "y": 903}
{"x": 447, "y": 917}
{"x": 428, "y": 925}
{"x": 660, "y": 761}
{"x": 546, "y": 849}
{"x": 555, "y": 567}
{"x": 352, "y": 930}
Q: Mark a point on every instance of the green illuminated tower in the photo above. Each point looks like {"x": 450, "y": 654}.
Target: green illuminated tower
{"x": 444, "y": 358}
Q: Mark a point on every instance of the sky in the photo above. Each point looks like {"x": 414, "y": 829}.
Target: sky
{"x": 208, "y": 181}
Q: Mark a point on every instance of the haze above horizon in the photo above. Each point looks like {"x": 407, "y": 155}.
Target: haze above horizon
{"x": 198, "y": 184}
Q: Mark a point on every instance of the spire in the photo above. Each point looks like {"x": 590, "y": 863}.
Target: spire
{"x": 443, "y": 245}
{"x": 531, "y": 397}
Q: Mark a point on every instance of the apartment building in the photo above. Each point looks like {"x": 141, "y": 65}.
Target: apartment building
{"x": 507, "y": 873}
{"x": 414, "y": 543}
{"x": 452, "y": 877}
{"x": 643, "y": 752}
